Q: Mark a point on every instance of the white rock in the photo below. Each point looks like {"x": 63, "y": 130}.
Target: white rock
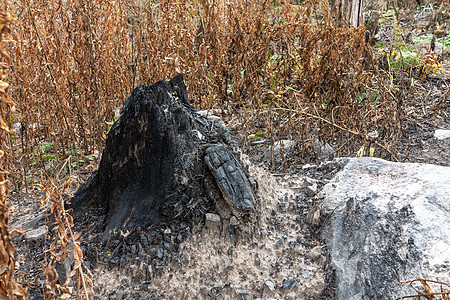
{"x": 313, "y": 187}
{"x": 214, "y": 119}
{"x": 270, "y": 285}
{"x": 386, "y": 222}
{"x": 36, "y": 234}
{"x": 441, "y": 134}
{"x": 323, "y": 150}
{"x": 279, "y": 147}
{"x": 233, "y": 221}
{"x": 283, "y": 144}
{"x": 212, "y": 217}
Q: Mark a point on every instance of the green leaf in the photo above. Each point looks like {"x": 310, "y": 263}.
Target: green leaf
{"x": 361, "y": 151}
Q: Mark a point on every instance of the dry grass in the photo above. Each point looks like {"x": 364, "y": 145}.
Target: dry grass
{"x": 9, "y": 288}
{"x": 63, "y": 248}
{"x": 282, "y": 66}
{"x": 426, "y": 291}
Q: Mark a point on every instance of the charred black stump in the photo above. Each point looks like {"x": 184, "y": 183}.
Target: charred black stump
{"x": 162, "y": 161}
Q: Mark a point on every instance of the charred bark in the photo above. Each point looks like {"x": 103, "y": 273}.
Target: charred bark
{"x": 159, "y": 161}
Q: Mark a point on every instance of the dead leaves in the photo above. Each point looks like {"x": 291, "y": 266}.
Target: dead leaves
{"x": 9, "y": 287}
{"x": 64, "y": 245}
{"x": 426, "y": 291}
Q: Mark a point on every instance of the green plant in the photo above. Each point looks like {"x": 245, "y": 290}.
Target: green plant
{"x": 258, "y": 135}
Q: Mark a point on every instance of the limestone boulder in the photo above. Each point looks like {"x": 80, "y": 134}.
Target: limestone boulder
{"x": 385, "y": 222}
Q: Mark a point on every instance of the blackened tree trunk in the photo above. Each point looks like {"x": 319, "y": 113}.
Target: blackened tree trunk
{"x": 163, "y": 161}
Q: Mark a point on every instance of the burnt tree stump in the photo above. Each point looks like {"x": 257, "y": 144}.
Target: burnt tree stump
{"x": 163, "y": 161}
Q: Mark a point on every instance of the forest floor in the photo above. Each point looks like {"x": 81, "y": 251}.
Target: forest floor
{"x": 278, "y": 254}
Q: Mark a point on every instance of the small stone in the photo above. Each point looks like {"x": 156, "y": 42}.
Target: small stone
{"x": 313, "y": 187}
{"x": 124, "y": 260}
{"x": 441, "y": 134}
{"x": 167, "y": 231}
{"x": 323, "y": 150}
{"x": 307, "y": 274}
{"x": 315, "y": 253}
{"x": 270, "y": 285}
{"x": 280, "y": 241}
{"x": 36, "y": 234}
{"x": 159, "y": 253}
{"x": 212, "y": 217}
{"x": 231, "y": 229}
{"x": 144, "y": 240}
{"x": 179, "y": 238}
{"x": 168, "y": 246}
{"x": 289, "y": 283}
{"x": 233, "y": 221}
{"x": 263, "y": 233}
{"x": 292, "y": 244}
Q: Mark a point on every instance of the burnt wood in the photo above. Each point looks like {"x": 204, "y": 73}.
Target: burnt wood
{"x": 157, "y": 157}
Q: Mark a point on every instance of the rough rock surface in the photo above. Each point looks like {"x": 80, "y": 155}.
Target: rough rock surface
{"x": 385, "y": 222}
{"x": 441, "y": 134}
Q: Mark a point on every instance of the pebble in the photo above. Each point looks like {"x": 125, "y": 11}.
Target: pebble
{"x": 167, "y": 231}
{"x": 307, "y": 274}
{"x": 179, "y": 238}
{"x": 270, "y": 285}
{"x": 168, "y": 246}
{"x": 292, "y": 244}
{"x": 313, "y": 187}
{"x": 289, "y": 283}
{"x": 441, "y": 134}
{"x": 144, "y": 240}
{"x": 212, "y": 217}
{"x": 159, "y": 253}
{"x": 280, "y": 241}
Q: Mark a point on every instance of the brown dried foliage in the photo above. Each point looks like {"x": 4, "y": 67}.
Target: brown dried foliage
{"x": 71, "y": 65}
{"x": 9, "y": 288}
{"x": 284, "y": 67}
{"x": 63, "y": 248}
{"x": 426, "y": 291}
